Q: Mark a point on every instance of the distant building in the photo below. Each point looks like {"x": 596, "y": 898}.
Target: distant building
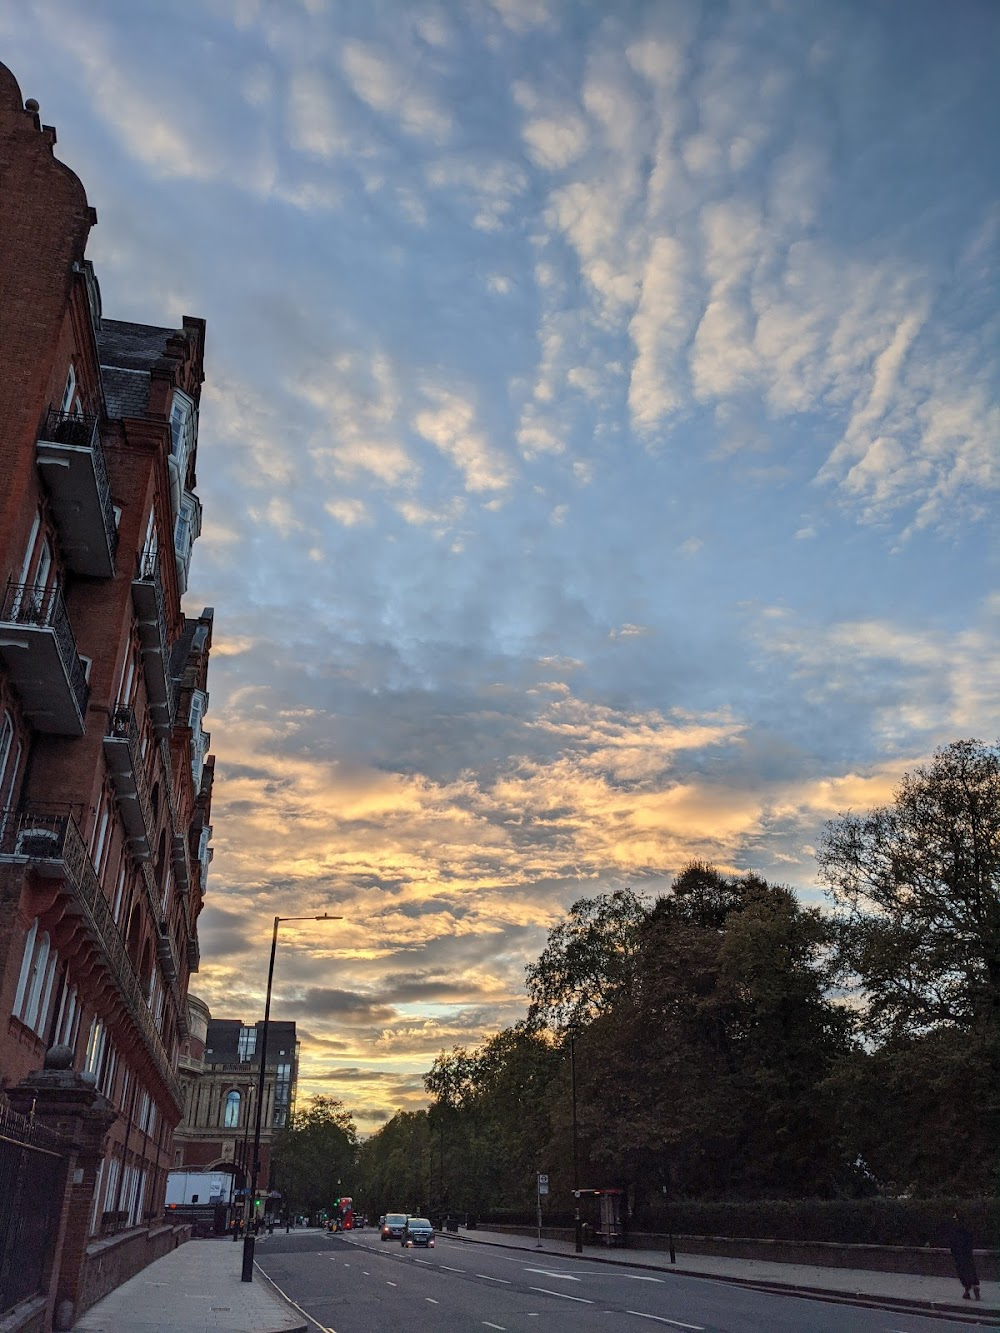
{"x": 220, "y": 1069}
{"x": 105, "y": 779}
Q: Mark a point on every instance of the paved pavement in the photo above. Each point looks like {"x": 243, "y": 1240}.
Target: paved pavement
{"x": 197, "y": 1287}
{"x": 894, "y": 1291}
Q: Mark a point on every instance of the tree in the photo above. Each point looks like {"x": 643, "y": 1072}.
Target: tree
{"x": 917, "y": 883}
{"x": 315, "y": 1156}
{"x": 589, "y": 960}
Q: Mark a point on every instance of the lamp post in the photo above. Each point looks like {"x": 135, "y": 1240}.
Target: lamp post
{"x": 249, "y": 1240}
{"x": 577, "y": 1222}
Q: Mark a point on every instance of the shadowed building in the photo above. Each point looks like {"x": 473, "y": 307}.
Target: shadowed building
{"x": 220, "y": 1069}
{"x": 105, "y": 781}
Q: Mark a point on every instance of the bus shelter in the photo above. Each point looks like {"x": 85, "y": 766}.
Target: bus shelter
{"x": 603, "y": 1215}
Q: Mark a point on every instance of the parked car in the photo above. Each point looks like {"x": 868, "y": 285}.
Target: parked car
{"x": 393, "y": 1226}
{"x": 418, "y": 1231}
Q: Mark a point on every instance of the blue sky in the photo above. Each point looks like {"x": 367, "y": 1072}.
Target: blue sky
{"x": 599, "y": 450}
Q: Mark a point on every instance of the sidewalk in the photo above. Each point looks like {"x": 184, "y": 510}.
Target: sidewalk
{"x": 900, "y": 1292}
{"x": 195, "y": 1289}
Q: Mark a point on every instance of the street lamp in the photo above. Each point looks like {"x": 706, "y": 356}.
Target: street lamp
{"x": 577, "y": 1223}
{"x": 249, "y": 1240}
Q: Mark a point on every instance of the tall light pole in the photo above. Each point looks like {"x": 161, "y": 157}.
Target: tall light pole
{"x": 249, "y": 1240}
{"x": 577, "y": 1222}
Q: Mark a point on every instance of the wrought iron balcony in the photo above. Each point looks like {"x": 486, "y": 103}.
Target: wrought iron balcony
{"x": 165, "y": 953}
{"x": 51, "y": 843}
{"x": 39, "y": 650}
{"x": 123, "y": 753}
{"x": 151, "y": 617}
{"x": 193, "y": 954}
{"x": 180, "y": 853}
{"x": 71, "y": 459}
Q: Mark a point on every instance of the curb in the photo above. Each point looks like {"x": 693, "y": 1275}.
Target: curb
{"x": 295, "y": 1328}
{"x": 893, "y": 1304}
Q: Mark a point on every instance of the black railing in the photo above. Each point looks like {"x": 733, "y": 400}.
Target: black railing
{"x": 46, "y": 836}
{"x": 154, "y": 638}
{"x": 43, "y": 608}
{"x": 124, "y": 727}
{"x": 84, "y": 433}
{"x": 32, "y": 1179}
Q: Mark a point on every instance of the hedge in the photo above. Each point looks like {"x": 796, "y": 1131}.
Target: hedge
{"x": 879, "y": 1221}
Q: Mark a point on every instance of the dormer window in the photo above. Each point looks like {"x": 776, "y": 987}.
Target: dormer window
{"x": 182, "y": 419}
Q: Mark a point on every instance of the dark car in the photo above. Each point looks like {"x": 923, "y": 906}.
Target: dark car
{"x": 393, "y": 1226}
{"x": 418, "y": 1231}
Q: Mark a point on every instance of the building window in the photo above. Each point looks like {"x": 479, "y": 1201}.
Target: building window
{"x": 232, "y": 1119}
{"x": 247, "y": 1043}
{"x": 34, "y": 985}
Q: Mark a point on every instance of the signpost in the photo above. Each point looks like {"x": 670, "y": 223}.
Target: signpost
{"x": 543, "y": 1188}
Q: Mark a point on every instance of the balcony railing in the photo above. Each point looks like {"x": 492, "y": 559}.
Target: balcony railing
{"x": 151, "y": 617}
{"x": 123, "y": 753}
{"x": 52, "y": 844}
{"x": 38, "y": 647}
{"x": 180, "y": 853}
{"x": 193, "y": 954}
{"x": 71, "y": 457}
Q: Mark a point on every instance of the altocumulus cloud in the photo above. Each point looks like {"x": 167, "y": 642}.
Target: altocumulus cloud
{"x": 540, "y": 338}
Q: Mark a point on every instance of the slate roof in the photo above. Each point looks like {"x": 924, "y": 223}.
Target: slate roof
{"x": 131, "y": 346}
{"x": 126, "y": 392}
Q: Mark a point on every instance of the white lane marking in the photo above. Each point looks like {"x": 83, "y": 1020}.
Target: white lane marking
{"x": 504, "y": 1280}
{"x": 548, "y": 1272}
{"x": 562, "y": 1294}
{"x": 501, "y": 1327}
{"x": 452, "y": 1270}
{"x": 432, "y": 1300}
{"x": 636, "y": 1277}
{"x": 366, "y": 1272}
{"x": 421, "y": 1261}
{"x": 660, "y": 1320}
{"x": 322, "y": 1327}
{"x": 390, "y": 1284}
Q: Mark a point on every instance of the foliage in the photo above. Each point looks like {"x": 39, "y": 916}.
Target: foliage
{"x": 315, "y": 1156}
{"x": 918, "y": 887}
{"x": 589, "y": 961}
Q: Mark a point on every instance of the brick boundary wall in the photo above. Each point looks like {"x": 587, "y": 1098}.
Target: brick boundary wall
{"x": 112, "y": 1260}
{"x": 28, "y": 1317}
{"x": 925, "y": 1262}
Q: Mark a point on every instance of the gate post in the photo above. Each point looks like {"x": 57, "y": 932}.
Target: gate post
{"x": 69, "y": 1104}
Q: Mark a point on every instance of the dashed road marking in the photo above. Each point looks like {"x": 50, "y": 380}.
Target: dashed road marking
{"x": 553, "y": 1272}
{"x": 675, "y": 1323}
{"x": 391, "y": 1284}
{"x": 504, "y": 1280}
{"x": 637, "y": 1277}
{"x": 562, "y": 1295}
{"x": 431, "y": 1300}
{"x": 501, "y": 1327}
{"x": 453, "y": 1270}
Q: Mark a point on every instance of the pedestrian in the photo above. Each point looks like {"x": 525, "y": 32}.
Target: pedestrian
{"x": 960, "y": 1244}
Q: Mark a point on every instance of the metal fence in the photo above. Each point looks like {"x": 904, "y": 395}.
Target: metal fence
{"x": 32, "y": 1179}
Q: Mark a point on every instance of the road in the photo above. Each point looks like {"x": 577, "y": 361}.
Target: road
{"x": 363, "y": 1285}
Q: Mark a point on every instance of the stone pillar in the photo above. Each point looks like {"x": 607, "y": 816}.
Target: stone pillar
{"x": 69, "y": 1104}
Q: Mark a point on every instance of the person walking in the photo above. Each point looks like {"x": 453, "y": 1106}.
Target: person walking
{"x": 961, "y": 1246}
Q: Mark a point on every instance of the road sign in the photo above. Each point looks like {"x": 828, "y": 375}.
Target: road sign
{"x": 543, "y": 1183}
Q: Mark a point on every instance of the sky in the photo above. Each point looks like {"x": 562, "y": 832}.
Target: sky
{"x": 599, "y": 452}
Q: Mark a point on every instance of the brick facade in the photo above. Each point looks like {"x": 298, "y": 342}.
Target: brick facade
{"x": 221, "y": 1057}
{"x": 105, "y": 780}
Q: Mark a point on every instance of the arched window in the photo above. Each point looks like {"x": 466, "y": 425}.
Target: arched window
{"x": 232, "y": 1110}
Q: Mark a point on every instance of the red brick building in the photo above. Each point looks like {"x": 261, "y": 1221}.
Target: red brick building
{"x": 105, "y": 781}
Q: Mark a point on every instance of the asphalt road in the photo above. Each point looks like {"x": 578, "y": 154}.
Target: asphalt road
{"x": 364, "y": 1285}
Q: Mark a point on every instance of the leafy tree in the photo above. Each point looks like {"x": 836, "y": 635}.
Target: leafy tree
{"x": 917, "y": 883}
{"x": 589, "y": 961}
{"x": 395, "y": 1166}
{"x": 710, "y": 1074}
{"x": 315, "y": 1157}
